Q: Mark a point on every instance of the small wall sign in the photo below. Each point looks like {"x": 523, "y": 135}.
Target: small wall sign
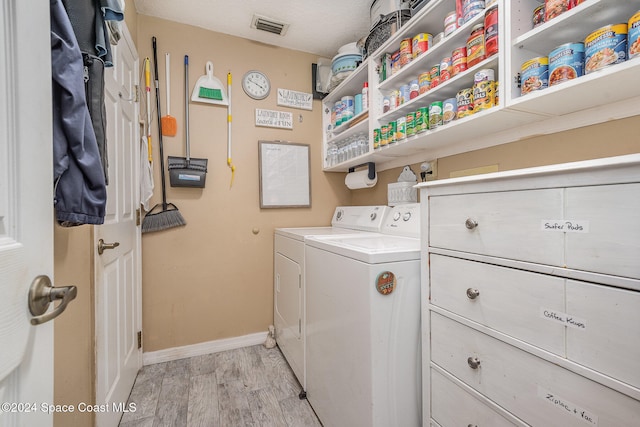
{"x": 274, "y": 119}
{"x": 295, "y": 99}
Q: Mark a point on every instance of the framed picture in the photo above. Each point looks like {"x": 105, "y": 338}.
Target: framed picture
{"x": 285, "y": 179}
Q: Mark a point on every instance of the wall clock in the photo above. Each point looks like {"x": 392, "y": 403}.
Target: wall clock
{"x": 256, "y": 84}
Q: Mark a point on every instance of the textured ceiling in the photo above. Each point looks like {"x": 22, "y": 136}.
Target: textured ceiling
{"x": 315, "y": 26}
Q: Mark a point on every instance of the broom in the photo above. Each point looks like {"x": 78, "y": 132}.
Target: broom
{"x": 169, "y": 216}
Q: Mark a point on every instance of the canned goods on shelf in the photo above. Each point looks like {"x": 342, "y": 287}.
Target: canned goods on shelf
{"x": 464, "y": 99}
{"x": 401, "y": 128}
{"x": 376, "y": 138}
{"x": 491, "y": 31}
{"x": 534, "y": 75}
{"x": 449, "y": 110}
{"x": 414, "y": 89}
{"x": 450, "y": 23}
{"x": 566, "y": 62}
{"x": 404, "y": 95}
{"x": 392, "y": 130}
{"x": 475, "y": 46}
{"x": 422, "y": 119}
{"x": 605, "y": 46}
{"x": 421, "y": 43}
{"x": 458, "y": 60}
{"x": 435, "y": 76}
{"x": 445, "y": 69}
{"x": 484, "y": 95}
{"x": 424, "y": 82}
{"x": 553, "y": 8}
{"x": 538, "y": 16}
{"x": 483, "y": 75}
{"x": 411, "y": 123}
{"x": 634, "y": 35}
{"x": 435, "y": 114}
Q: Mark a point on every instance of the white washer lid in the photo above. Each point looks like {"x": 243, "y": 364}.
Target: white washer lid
{"x": 371, "y": 248}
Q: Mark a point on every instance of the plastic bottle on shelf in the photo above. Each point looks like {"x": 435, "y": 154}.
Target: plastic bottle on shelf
{"x": 365, "y": 96}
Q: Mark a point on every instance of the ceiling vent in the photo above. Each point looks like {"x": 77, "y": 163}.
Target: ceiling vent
{"x": 269, "y": 25}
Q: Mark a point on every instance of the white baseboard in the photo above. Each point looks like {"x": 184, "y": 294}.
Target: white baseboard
{"x": 175, "y": 353}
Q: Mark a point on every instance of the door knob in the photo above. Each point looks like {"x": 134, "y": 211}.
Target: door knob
{"x": 42, "y": 293}
{"x": 102, "y": 246}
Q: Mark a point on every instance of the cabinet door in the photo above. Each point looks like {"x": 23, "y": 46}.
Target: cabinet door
{"x": 608, "y": 339}
{"x": 536, "y": 391}
{"x": 509, "y": 224}
{"x": 508, "y": 300}
{"x": 453, "y": 406}
{"x": 611, "y": 244}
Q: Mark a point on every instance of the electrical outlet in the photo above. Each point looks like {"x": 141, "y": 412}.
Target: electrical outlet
{"x": 429, "y": 170}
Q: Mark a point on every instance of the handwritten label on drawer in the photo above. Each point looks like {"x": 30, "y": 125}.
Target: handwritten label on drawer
{"x": 563, "y": 318}
{"x": 564, "y": 405}
{"x": 565, "y": 225}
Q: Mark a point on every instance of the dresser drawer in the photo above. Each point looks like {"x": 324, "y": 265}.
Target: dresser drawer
{"x": 453, "y": 406}
{"x": 505, "y": 299}
{"x": 609, "y": 339}
{"x": 536, "y": 391}
{"x": 611, "y": 244}
{"x": 508, "y": 224}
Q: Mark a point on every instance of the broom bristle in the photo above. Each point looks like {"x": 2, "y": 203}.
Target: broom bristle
{"x": 162, "y": 220}
{"x": 210, "y": 93}
{"x": 169, "y": 126}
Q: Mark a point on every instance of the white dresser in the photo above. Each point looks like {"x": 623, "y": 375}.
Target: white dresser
{"x": 531, "y": 297}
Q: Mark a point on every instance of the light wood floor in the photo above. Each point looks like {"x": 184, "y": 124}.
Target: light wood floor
{"x": 251, "y": 386}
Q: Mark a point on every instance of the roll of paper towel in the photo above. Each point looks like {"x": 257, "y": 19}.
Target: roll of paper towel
{"x": 359, "y": 179}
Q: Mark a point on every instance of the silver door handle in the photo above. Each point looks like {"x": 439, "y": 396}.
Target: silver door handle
{"x": 102, "y": 246}
{"x": 42, "y": 293}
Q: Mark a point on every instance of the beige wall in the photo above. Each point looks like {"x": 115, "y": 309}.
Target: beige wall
{"x": 74, "y": 331}
{"x": 612, "y": 138}
{"x": 213, "y": 279}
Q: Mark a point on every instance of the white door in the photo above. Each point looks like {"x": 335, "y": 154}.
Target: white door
{"x": 26, "y": 210}
{"x": 118, "y": 270}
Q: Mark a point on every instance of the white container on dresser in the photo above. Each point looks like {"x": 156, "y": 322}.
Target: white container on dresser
{"x": 531, "y": 296}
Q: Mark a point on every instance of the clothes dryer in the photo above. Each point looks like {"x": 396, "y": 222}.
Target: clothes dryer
{"x": 363, "y": 324}
{"x": 289, "y": 276}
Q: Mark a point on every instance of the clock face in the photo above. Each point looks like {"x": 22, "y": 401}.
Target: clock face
{"x": 256, "y": 84}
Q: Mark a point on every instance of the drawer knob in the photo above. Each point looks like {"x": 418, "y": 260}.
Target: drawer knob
{"x": 470, "y": 223}
{"x": 472, "y": 293}
{"x": 473, "y": 362}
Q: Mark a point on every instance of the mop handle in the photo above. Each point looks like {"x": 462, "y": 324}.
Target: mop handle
{"x": 167, "y": 68}
{"x": 229, "y": 162}
{"x": 186, "y": 104}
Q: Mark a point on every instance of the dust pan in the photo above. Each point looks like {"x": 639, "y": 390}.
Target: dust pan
{"x": 209, "y": 89}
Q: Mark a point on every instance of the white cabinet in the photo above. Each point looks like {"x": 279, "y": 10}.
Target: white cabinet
{"x": 610, "y": 93}
{"x": 531, "y": 291}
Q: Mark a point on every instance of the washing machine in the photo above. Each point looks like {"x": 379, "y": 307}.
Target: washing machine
{"x": 289, "y": 276}
{"x": 363, "y": 324}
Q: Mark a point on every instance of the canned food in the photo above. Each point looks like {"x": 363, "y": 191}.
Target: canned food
{"x": 435, "y": 114}
{"x": 471, "y": 9}
{"x": 538, "y": 16}
{"x": 401, "y": 128}
{"x": 497, "y": 93}
{"x": 450, "y": 23}
{"x": 422, "y": 119}
{"x": 386, "y": 104}
{"x": 484, "y": 95}
{"x": 424, "y": 82}
{"x": 445, "y": 69}
{"x": 475, "y": 46}
{"x": 484, "y": 75}
{"x": 574, "y": 3}
{"x": 449, "y": 110}
{"x": 421, "y": 43}
{"x": 384, "y": 135}
{"x": 414, "y": 89}
{"x": 491, "y": 31}
{"x": 458, "y": 60}
{"x": 634, "y": 35}
{"x": 405, "y": 51}
{"x": 411, "y": 123}
{"x": 392, "y": 132}
{"x": 534, "y": 75}
{"x": 394, "y": 99}
{"x": 435, "y": 76}
{"x": 404, "y": 94}
{"x": 566, "y": 62}
{"x": 605, "y": 46}
{"x": 376, "y": 138}
{"x": 464, "y": 99}
{"x": 553, "y": 8}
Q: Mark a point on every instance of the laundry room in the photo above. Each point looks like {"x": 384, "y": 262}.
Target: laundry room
{"x": 285, "y": 187}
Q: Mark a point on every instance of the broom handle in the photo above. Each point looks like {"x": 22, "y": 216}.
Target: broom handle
{"x": 186, "y": 104}
{"x": 167, "y": 76}
{"x": 155, "y": 70}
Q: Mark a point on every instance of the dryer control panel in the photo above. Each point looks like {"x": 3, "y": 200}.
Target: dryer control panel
{"x": 403, "y": 220}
